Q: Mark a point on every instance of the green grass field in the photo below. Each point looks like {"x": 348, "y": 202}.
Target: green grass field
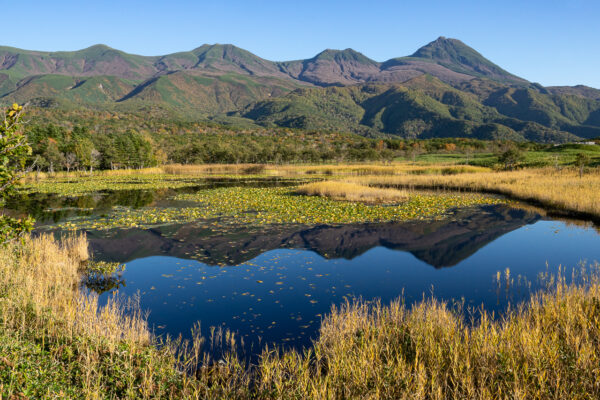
{"x": 562, "y": 155}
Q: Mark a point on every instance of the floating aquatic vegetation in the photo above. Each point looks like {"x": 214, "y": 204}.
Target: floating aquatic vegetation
{"x": 70, "y": 187}
{"x": 261, "y": 206}
{"x": 281, "y": 205}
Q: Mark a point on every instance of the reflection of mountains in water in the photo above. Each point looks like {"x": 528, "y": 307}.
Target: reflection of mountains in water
{"x": 442, "y": 243}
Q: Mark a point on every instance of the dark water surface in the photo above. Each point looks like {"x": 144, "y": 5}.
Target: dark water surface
{"x": 273, "y": 285}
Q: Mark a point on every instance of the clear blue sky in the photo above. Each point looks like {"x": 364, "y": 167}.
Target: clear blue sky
{"x": 548, "y": 41}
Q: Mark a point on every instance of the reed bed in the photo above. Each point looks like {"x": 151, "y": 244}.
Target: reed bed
{"x": 348, "y": 191}
{"x": 55, "y": 342}
{"x": 37, "y": 176}
{"x": 395, "y": 168}
{"x": 322, "y": 169}
{"x": 558, "y": 189}
{"x": 208, "y": 169}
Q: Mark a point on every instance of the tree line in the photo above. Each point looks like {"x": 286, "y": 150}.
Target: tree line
{"x": 57, "y": 148}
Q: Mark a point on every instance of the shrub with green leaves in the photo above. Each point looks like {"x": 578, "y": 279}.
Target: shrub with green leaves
{"x": 14, "y": 151}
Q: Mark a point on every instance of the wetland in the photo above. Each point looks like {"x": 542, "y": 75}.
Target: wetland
{"x": 250, "y": 255}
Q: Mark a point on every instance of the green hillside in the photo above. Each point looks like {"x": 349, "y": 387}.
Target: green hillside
{"x": 94, "y": 60}
{"x": 79, "y": 90}
{"x": 7, "y": 84}
{"x": 206, "y": 95}
{"x": 424, "y": 107}
{"x": 333, "y": 108}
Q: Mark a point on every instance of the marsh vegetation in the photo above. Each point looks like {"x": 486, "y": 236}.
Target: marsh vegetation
{"x": 564, "y": 189}
{"x": 339, "y": 190}
{"x": 60, "y": 337}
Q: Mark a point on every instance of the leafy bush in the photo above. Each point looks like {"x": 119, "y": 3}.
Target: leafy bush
{"x": 14, "y": 151}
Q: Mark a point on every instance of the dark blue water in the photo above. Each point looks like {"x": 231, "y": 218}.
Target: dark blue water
{"x": 281, "y": 295}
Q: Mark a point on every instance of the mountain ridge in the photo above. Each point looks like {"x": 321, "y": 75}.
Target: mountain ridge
{"x": 444, "y": 88}
{"x": 20, "y": 62}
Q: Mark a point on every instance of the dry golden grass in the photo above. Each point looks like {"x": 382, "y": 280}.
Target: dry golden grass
{"x": 395, "y": 168}
{"x": 34, "y": 176}
{"x": 563, "y": 189}
{"x": 43, "y": 272}
{"x": 41, "y": 302}
{"x": 208, "y": 169}
{"x": 347, "y": 191}
{"x": 359, "y": 169}
{"x": 545, "y": 349}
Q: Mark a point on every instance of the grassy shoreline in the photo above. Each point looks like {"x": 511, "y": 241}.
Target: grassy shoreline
{"x": 56, "y": 342}
{"x": 561, "y": 191}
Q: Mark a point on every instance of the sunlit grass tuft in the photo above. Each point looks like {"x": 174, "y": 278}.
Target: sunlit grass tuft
{"x": 338, "y": 190}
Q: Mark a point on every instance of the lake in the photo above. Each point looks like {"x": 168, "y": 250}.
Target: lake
{"x": 274, "y": 284}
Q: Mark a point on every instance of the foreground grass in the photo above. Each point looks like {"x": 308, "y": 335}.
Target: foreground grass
{"x": 57, "y": 343}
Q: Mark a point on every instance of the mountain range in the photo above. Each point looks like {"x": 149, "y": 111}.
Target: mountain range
{"x": 444, "y": 89}
{"x": 441, "y": 243}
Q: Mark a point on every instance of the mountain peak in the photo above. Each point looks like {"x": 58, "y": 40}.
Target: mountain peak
{"x": 97, "y": 49}
{"x": 227, "y": 52}
{"x": 459, "y": 57}
{"x": 230, "y": 58}
{"x": 98, "y": 46}
{"x": 216, "y": 46}
{"x": 446, "y": 49}
{"x": 346, "y": 55}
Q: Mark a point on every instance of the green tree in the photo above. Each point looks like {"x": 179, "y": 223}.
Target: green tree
{"x": 14, "y": 151}
{"x": 53, "y": 157}
{"x": 511, "y": 158}
{"x": 84, "y": 150}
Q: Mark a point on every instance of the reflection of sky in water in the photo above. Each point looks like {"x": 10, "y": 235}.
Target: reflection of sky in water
{"x": 281, "y": 295}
